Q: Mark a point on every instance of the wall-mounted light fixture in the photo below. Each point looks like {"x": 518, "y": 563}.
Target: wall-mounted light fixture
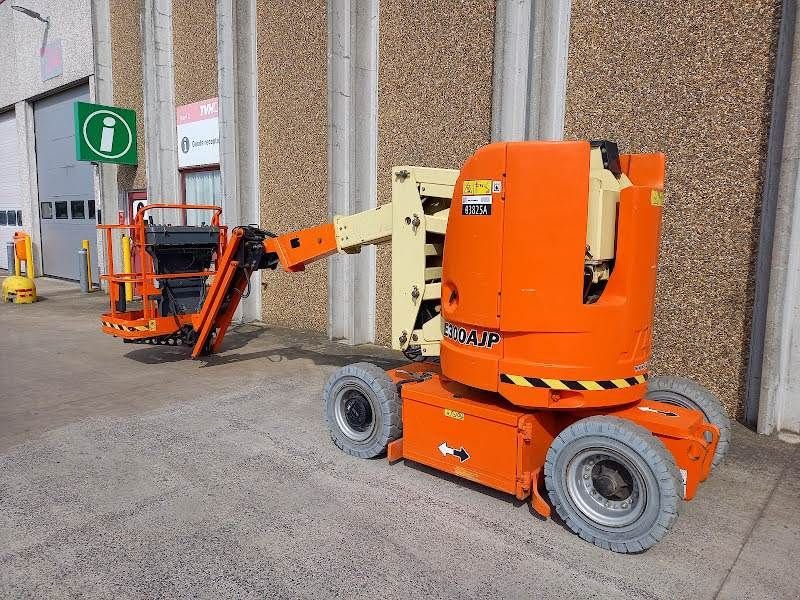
{"x": 35, "y": 15}
{"x": 31, "y": 13}
{"x": 47, "y": 71}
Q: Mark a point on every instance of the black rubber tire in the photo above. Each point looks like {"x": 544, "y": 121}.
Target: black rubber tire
{"x": 659, "y": 491}
{"x": 683, "y": 392}
{"x": 384, "y": 401}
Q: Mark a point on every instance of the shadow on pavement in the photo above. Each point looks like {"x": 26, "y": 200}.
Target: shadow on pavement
{"x": 335, "y": 356}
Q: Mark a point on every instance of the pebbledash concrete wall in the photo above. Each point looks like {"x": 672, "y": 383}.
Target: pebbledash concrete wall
{"x": 434, "y": 109}
{"x": 195, "y": 69}
{"x": 434, "y": 98}
{"x": 126, "y": 67}
{"x": 692, "y": 79}
{"x": 292, "y": 106}
{"x": 194, "y": 47}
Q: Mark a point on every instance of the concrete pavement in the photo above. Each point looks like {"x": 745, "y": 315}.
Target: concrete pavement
{"x": 129, "y": 471}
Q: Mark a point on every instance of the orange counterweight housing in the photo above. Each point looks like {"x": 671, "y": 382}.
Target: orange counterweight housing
{"x": 476, "y": 435}
{"x": 515, "y": 320}
{"x": 473, "y": 434}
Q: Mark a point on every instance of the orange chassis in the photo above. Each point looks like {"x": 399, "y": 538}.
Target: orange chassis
{"x": 508, "y": 445}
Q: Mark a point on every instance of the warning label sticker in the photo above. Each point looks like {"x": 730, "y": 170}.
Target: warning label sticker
{"x": 476, "y": 187}
{"x": 476, "y": 205}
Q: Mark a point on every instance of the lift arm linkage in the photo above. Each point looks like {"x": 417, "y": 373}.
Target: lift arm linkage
{"x": 346, "y": 235}
{"x": 414, "y": 222}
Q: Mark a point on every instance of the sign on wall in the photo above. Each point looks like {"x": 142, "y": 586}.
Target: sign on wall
{"x": 198, "y": 133}
{"x": 105, "y": 134}
{"x": 51, "y": 59}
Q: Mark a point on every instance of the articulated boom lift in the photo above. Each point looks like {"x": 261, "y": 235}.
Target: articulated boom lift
{"x": 414, "y": 223}
{"x": 538, "y": 303}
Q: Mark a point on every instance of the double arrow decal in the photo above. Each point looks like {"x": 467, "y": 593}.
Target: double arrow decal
{"x": 460, "y": 453}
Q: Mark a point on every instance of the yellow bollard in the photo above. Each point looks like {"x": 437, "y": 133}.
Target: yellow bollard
{"x": 126, "y": 266}
{"x": 85, "y": 245}
{"x": 18, "y": 288}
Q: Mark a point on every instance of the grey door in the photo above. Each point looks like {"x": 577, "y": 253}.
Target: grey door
{"x": 67, "y": 212}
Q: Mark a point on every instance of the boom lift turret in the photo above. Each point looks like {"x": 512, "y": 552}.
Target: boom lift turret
{"x": 538, "y": 302}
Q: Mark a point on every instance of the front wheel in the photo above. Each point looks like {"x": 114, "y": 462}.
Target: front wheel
{"x": 362, "y": 408}
{"x": 613, "y": 483}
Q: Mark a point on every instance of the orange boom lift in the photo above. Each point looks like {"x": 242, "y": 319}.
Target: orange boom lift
{"x": 523, "y": 290}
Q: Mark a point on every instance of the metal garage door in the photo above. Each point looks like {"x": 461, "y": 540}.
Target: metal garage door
{"x": 66, "y": 192}
{"x": 10, "y": 199}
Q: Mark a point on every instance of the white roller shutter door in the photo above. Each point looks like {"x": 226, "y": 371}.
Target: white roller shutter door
{"x": 10, "y": 196}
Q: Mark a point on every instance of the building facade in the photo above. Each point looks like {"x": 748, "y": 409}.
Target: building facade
{"x": 312, "y": 104}
{"x": 47, "y": 64}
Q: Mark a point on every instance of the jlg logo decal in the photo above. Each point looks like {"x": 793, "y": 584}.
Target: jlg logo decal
{"x": 470, "y": 337}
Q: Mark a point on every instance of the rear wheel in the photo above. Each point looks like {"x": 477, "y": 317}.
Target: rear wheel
{"x": 362, "y": 408}
{"x": 683, "y": 392}
{"x": 613, "y": 483}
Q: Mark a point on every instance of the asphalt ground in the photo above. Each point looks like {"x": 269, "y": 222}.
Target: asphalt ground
{"x": 130, "y": 471}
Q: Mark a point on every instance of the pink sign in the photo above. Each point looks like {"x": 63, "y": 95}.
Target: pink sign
{"x": 52, "y": 61}
{"x": 198, "y": 111}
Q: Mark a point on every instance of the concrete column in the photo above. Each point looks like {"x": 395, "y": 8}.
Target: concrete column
{"x": 779, "y": 401}
{"x": 238, "y": 125}
{"x": 530, "y": 69}
{"x": 101, "y": 90}
{"x": 28, "y": 179}
{"x": 159, "y": 102}
{"x": 352, "y": 159}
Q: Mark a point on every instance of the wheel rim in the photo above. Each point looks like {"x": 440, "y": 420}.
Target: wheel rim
{"x": 354, "y": 414}
{"x": 606, "y": 487}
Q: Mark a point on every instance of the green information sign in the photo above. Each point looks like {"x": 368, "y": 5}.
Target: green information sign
{"x": 105, "y": 134}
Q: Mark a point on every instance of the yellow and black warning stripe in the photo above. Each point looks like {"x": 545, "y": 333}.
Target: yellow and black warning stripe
{"x": 575, "y": 385}
{"x": 120, "y": 327}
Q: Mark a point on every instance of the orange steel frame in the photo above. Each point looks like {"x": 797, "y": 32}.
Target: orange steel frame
{"x": 297, "y": 249}
{"x": 145, "y": 321}
{"x": 294, "y": 251}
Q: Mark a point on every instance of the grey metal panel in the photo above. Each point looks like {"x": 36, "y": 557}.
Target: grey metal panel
{"x": 62, "y": 178}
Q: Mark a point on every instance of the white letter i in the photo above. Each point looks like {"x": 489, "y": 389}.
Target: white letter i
{"x": 107, "y": 137}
